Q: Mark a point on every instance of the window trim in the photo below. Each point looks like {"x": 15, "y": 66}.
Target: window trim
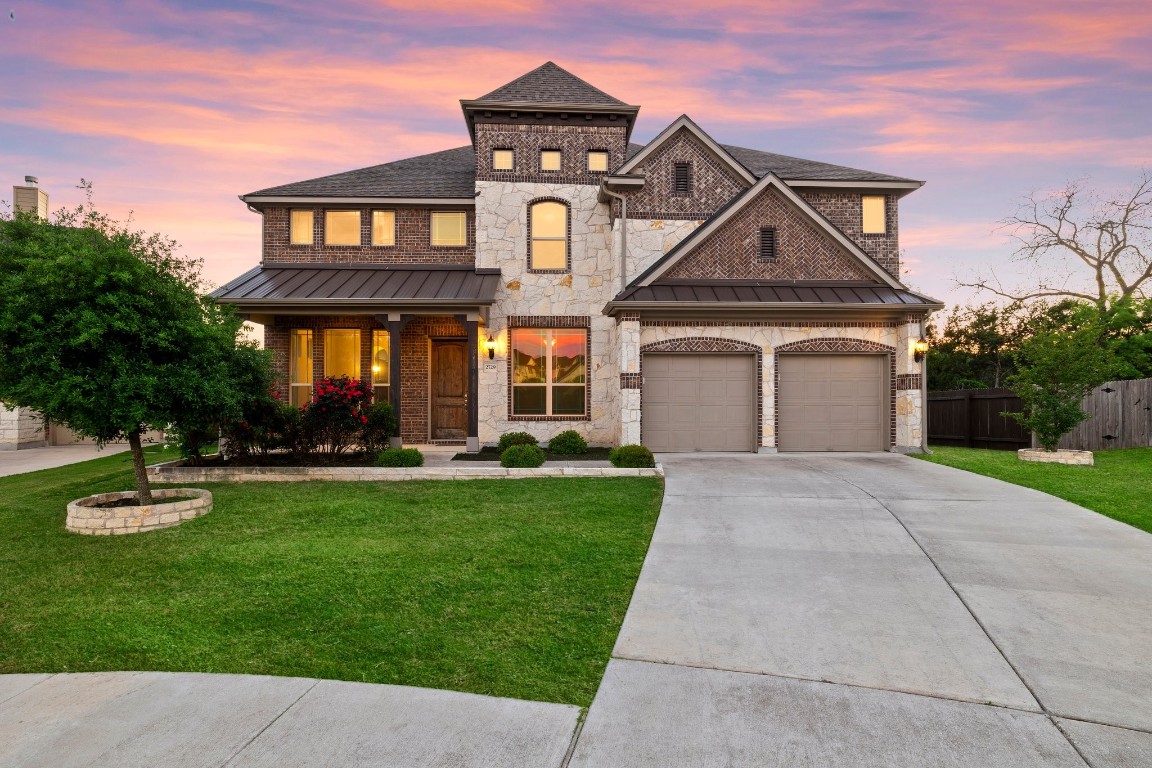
{"x": 359, "y": 354}
{"x": 511, "y": 152}
{"x": 311, "y": 228}
{"x": 567, "y": 236}
{"x": 372, "y": 228}
{"x": 883, "y": 215}
{"x": 432, "y": 229}
{"x": 359, "y": 227}
{"x": 559, "y": 160}
{"x": 562, "y": 324}
{"x": 294, "y": 374}
{"x": 588, "y": 160}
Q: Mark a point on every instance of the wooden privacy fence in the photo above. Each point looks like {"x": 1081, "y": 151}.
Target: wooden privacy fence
{"x": 1119, "y": 416}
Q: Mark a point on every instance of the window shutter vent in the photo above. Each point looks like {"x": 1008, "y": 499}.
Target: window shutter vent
{"x": 682, "y": 184}
{"x": 768, "y": 244}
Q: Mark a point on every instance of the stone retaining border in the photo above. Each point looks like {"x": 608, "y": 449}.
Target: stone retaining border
{"x": 1059, "y": 456}
{"x": 171, "y": 472}
{"x": 87, "y": 517}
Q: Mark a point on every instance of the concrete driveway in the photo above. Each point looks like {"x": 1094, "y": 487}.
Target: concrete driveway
{"x": 874, "y": 610}
{"x": 800, "y": 610}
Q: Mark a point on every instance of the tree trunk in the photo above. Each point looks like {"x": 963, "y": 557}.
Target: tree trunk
{"x": 143, "y": 490}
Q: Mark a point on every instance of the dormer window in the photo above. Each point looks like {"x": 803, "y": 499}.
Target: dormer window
{"x": 874, "y": 223}
{"x": 549, "y": 159}
{"x": 597, "y": 161}
{"x": 502, "y": 160}
{"x": 682, "y": 178}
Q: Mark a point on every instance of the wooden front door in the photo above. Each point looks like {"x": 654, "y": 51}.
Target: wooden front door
{"x": 449, "y": 390}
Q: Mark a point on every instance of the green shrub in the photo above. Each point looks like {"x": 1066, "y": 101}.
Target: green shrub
{"x": 400, "y": 457}
{"x": 515, "y": 438}
{"x": 568, "y": 443}
{"x": 631, "y": 456}
{"x": 380, "y": 426}
{"x": 522, "y": 456}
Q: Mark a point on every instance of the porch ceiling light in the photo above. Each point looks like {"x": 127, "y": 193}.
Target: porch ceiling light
{"x": 919, "y": 349}
{"x": 490, "y": 345}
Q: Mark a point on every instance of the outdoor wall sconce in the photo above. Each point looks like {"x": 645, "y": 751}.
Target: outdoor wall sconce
{"x": 490, "y": 345}
{"x": 919, "y": 349}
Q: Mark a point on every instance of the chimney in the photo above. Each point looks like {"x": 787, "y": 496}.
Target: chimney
{"x": 30, "y": 198}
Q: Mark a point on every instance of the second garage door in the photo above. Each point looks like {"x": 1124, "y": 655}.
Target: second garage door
{"x": 833, "y": 403}
{"x": 698, "y": 402}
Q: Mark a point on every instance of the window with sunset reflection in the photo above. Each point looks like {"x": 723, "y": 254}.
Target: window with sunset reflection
{"x": 549, "y": 375}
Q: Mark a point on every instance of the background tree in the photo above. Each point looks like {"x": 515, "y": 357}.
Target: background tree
{"x": 105, "y": 330}
{"x": 1082, "y": 246}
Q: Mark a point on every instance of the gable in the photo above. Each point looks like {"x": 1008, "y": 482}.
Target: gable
{"x": 804, "y": 250}
{"x": 714, "y": 183}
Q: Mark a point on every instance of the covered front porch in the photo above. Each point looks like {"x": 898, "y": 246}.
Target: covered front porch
{"x": 412, "y": 334}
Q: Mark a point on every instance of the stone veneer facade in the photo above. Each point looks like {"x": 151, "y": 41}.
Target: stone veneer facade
{"x": 21, "y": 428}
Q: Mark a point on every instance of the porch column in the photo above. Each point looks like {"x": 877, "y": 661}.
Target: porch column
{"x": 473, "y": 445}
{"x": 395, "y": 326}
{"x": 910, "y": 402}
{"x": 628, "y": 336}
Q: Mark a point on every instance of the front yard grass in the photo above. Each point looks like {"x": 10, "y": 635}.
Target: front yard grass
{"x": 510, "y": 588}
{"x": 1117, "y": 486}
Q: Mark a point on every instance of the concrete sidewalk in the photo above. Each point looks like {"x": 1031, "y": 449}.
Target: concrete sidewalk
{"x": 32, "y": 459}
{"x": 154, "y": 720}
{"x": 874, "y": 610}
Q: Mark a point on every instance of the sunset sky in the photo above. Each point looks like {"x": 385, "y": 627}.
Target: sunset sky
{"x": 172, "y": 109}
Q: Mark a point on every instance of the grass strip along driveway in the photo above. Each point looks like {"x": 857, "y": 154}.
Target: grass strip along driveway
{"x": 495, "y": 587}
{"x": 1116, "y": 486}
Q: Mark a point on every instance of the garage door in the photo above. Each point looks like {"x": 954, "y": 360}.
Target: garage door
{"x": 698, "y": 402}
{"x": 833, "y": 403}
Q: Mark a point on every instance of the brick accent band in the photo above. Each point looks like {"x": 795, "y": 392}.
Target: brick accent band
{"x": 768, "y": 324}
{"x": 630, "y": 380}
{"x": 905, "y": 381}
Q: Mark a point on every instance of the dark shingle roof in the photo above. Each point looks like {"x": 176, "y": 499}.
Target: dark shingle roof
{"x": 451, "y": 173}
{"x": 550, "y": 84}
{"x": 762, "y": 163}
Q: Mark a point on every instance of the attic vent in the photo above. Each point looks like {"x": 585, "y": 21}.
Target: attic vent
{"x": 768, "y": 244}
{"x": 682, "y": 178}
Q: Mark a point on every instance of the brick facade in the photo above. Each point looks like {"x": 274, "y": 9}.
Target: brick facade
{"x": 414, "y": 358}
{"x": 803, "y": 251}
{"x": 526, "y": 140}
{"x": 846, "y": 211}
{"x": 413, "y": 239}
{"x": 714, "y": 184}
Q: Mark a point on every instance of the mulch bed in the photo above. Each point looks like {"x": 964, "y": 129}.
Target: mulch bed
{"x": 492, "y": 454}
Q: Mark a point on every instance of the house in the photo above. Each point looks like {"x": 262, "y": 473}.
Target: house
{"x": 552, "y": 275}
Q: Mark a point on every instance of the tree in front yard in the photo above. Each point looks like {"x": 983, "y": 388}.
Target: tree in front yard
{"x": 105, "y": 330}
{"x": 1056, "y": 368}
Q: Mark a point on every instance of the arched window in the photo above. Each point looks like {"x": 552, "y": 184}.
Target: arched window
{"x": 548, "y": 243}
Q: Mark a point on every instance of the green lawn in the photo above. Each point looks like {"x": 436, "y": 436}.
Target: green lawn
{"x": 1117, "y": 486}
{"x": 510, "y": 588}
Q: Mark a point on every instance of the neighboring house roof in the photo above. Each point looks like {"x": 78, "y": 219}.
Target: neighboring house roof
{"x": 749, "y": 293}
{"x": 447, "y": 174}
{"x": 550, "y": 84}
{"x": 344, "y": 286}
{"x": 699, "y": 235}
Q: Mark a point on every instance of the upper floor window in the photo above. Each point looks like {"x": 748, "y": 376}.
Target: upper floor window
{"x": 874, "y": 223}
{"x": 682, "y": 178}
{"x": 597, "y": 161}
{"x": 768, "y": 244}
{"x": 342, "y": 228}
{"x": 449, "y": 228}
{"x": 383, "y": 227}
{"x": 548, "y": 245}
{"x": 301, "y": 228}
{"x": 549, "y": 159}
{"x": 502, "y": 160}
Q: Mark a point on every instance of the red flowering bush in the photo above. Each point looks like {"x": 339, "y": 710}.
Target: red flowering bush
{"x": 338, "y": 413}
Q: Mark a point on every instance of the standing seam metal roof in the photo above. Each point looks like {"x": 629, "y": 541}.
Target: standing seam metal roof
{"x": 369, "y": 283}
